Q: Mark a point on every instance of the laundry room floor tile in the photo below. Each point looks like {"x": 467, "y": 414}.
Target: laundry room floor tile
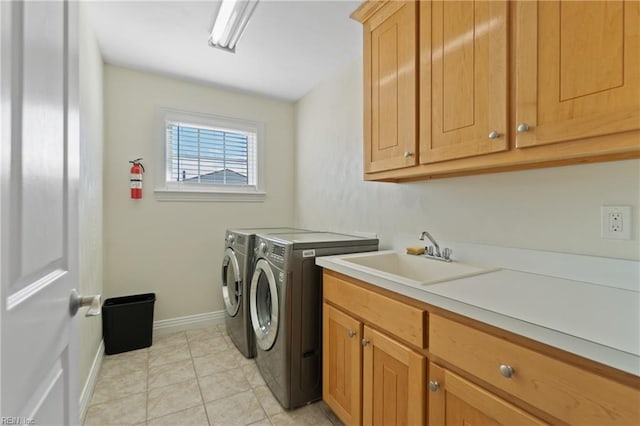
{"x": 269, "y": 403}
{"x": 168, "y": 374}
{"x": 195, "y": 377}
{"x": 173, "y": 398}
{"x": 125, "y": 411}
{"x": 252, "y": 374}
{"x": 167, "y": 354}
{"x": 115, "y": 387}
{"x": 172, "y": 339}
{"x": 224, "y": 384}
{"x": 203, "y": 333}
{"x": 207, "y": 346}
{"x": 216, "y": 363}
{"x": 112, "y": 366}
{"x": 240, "y": 409}
{"x": 191, "y": 416}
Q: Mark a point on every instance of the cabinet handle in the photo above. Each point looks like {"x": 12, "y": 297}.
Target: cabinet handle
{"x": 365, "y": 342}
{"x": 494, "y": 134}
{"x": 434, "y": 386}
{"x": 523, "y": 127}
{"x": 506, "y": 370}
{"x": 351, "y": 333}
{"x": 408, "y": 154}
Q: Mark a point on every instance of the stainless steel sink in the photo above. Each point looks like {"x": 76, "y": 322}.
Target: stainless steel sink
{"x": 409, "y": 269}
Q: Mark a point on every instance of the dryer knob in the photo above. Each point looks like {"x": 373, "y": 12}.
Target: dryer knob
{"x": 263, "y": 248}
{"x": 230, "y": 239}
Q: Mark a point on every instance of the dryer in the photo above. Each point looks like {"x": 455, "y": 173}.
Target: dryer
{"x": 286, "y": 310}
{"x": 237, "y": 267}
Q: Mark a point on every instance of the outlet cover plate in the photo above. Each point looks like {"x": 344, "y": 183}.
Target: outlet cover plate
{"x": 616, "y": 222}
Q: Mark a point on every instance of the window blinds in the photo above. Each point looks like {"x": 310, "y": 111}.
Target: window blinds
{"x": 204, "y": 155}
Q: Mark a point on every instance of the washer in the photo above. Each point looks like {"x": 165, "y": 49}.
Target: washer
{"x": 237, "y": 268}
{"x": 286, "y": 310}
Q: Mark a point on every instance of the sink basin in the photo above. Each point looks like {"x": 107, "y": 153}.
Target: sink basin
{"x": 410, "y": 269}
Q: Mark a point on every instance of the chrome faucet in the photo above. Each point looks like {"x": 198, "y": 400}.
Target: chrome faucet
{"x": 445, "y": 255}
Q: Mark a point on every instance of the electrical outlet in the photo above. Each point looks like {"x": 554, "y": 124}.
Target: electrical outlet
{"x": 616, "y": 222}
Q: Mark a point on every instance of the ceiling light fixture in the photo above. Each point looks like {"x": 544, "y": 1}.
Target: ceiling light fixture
{"x": 231, "y": 21}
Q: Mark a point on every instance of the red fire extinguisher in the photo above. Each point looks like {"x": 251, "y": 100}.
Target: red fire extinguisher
{"x": 136, "y": 178}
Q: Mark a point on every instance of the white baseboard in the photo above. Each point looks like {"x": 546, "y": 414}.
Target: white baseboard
{"x": 90, "y": 384}
{"x": 173, "y": 325}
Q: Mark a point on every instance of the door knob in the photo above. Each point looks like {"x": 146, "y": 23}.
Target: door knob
{"x": 408, "y": 154}
{"x": 434, "y": 386}
{"x": 352, "y": 333}
{"x": 523, "y": 127}
{"x": 364, "y": 342}
{"x": 494, "y": 134}
{"x": 93, "y": 302}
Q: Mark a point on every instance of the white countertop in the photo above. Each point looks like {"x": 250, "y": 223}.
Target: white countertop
{"x": 592, "y": 320}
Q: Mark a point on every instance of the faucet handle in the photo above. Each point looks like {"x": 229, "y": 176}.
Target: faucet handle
{"x": 429, "y": 250}
{"x": 446, "y": 253}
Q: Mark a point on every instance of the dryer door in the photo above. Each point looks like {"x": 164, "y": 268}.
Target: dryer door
{"x": 231, "y": 282}
{"x": 264, "y": 305}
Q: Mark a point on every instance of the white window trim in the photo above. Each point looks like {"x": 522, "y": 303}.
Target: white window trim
{"x": 180, "y": 191}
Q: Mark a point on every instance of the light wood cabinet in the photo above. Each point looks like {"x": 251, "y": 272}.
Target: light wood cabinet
{"x": 393, "y": 375}
{"x": 463, "y": 79}
{"x": 389, "y": 359}
{"x": 552, "y": 82}
{"x": 342, "y": 365}
{"x": 566, "y": 392}
{"x": 578, "y": 70}
{"x": 390, "y": 98}
{"x": 370, "y": 376}
{"x": 456, "y": 401}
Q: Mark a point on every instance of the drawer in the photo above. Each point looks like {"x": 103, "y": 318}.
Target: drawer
{"x": 404, "y": 321}
{"x": 568, "y": 393}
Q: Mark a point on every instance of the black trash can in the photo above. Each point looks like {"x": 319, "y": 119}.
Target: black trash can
{"x": 127, "y": 323}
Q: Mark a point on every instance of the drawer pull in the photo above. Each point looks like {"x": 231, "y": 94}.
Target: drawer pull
{"x": 506, "y": 370}
{"x": 434, "y": 386}
{"x": 352, "y": 333}
{"x": 365, "y": 342}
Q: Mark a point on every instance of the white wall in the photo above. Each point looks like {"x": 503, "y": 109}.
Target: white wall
{"x": 90, "y": 190}
{"x": 175, "y": 249}
{"x": 555, "y": 209}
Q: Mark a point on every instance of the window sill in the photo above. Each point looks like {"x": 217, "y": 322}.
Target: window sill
{"x": 162, "y": 194}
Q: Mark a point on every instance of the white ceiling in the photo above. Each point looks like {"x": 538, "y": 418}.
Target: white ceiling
{"x": 287, "y": 49}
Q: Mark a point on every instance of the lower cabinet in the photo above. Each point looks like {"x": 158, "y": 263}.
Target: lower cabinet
{"x": 394, "y": 382}
{"x": 375, "y": 347}
{"x": 342, "y": 364}
{"x": 456, "y": 401}
{"x": 368, "y": 377}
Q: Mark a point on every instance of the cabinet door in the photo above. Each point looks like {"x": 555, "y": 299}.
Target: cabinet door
{"x": 341, "y": 364}
{"x": 577, "y": 70}
{"x": 456, "y": 401}
{"x": 394, "y": 382}
{"x": 390, "y": 87}
{"x": 465, "y": 114}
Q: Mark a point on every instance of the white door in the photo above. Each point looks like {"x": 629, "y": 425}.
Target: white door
{"x": 38, "y": 212}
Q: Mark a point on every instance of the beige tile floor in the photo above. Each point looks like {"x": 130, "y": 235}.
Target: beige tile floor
{"x": 196, "y": 377}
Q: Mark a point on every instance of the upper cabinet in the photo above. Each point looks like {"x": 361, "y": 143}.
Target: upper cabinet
{"x": 463, "y": 79}
{"x": 464, "y": 87}
{"x": 390, "y": 42}
{"x": 577, "y": 70}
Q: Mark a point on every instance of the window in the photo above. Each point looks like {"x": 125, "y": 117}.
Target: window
{"x": 210, "y": 158}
